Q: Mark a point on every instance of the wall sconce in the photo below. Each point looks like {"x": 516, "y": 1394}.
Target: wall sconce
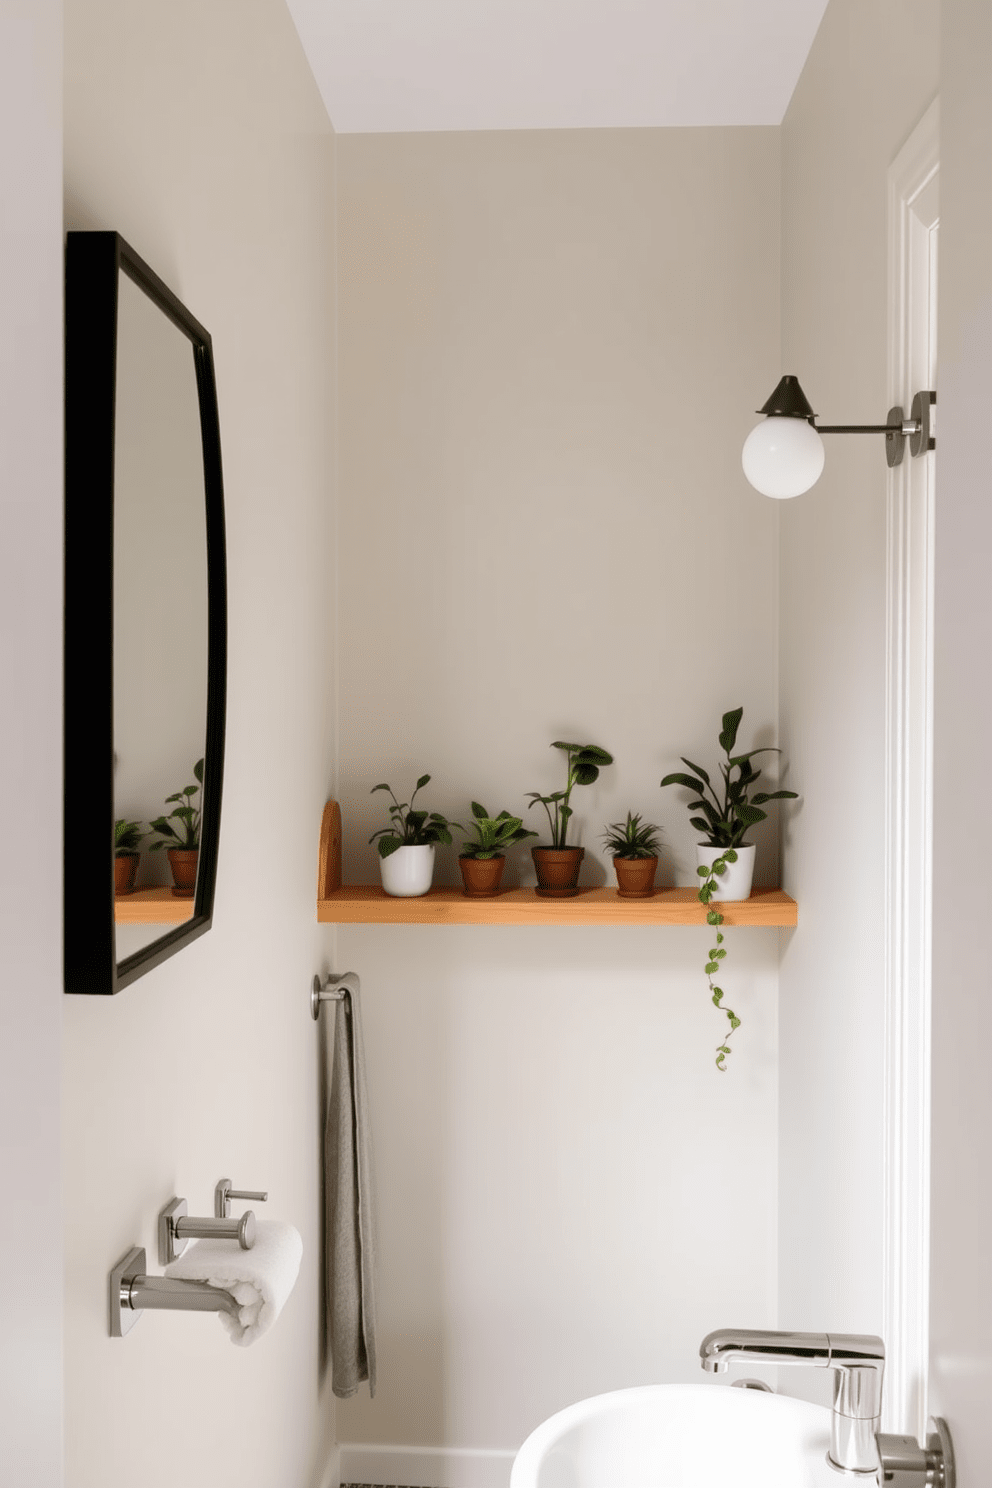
{"x": 783, "y": 456}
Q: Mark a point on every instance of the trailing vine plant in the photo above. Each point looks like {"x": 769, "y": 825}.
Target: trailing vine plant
{"x": 707, "y": 889}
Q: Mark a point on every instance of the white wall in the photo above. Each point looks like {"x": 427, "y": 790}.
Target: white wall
{"x": 870, "y": 76}
{"x": 30, "y": 741}
{"x": 550, "y": 344}
{"x": 196, "y": 131}
{"x": 961, "y": 1326}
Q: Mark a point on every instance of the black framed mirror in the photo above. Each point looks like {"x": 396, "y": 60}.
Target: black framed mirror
{"x": 145, "y": 619}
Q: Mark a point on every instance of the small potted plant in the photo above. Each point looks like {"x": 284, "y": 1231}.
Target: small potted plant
{"x": 127, "y": 840}
{"x": 483, "y": 858}
{"x": 634, "y": 846}
{"x": 558, "y": 866}
{"x": 182, "y": 840}
{"x": 406, "y": 845}
{"x": 726, "y": 821}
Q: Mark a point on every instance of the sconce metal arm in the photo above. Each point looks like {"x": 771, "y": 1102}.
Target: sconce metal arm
{"x": 918, "y": 429}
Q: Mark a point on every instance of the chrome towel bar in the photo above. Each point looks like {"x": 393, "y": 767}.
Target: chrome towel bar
{"x": 333, "y": 990}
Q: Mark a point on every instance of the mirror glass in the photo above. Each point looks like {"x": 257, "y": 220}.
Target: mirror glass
{"x": 145, "y": 643}
{"x": 160, "y": 602}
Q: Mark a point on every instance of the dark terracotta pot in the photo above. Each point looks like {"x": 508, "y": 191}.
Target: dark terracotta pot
{"x": 635, "y": 877}
{"x": 482, "y": 876}
{"x": 125, "y": 872}
{"x": 183, "y": 861}
{"x": 557, "y": 871}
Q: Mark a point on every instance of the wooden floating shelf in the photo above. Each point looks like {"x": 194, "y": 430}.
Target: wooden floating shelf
{"x": 152, "y": 907}
{"x": 367, "y": 904}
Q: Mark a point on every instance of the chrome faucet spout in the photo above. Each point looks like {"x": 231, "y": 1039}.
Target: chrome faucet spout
{"x": 719, "y": 1348}
{"x": 858, "y": 1362}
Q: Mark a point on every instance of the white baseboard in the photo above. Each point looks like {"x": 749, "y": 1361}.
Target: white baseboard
{"x": 425, "y": 1467}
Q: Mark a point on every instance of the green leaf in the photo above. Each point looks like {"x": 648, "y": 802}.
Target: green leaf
{"x": 714, "y": 918}
{"x": 698, "y": 769}
{"x": 585, "y": 774}
{"x": 678, "y": 777}
{"x": 422, "y": 781}
{"x": 739, "y": 759}
{"x": 591, "y": 754}
{"x": 711, "y": 967}
{"x": 383, "y": 786}
{"x": 480, "y": 811}
{"x": 779, "y": 795}
{"x": 388, "y": 845}
{"x": 731, "y": 723}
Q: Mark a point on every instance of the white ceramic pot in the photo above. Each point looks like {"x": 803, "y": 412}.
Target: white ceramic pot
{"x": 735, "y": 881}
{"x": 408, "y": 871}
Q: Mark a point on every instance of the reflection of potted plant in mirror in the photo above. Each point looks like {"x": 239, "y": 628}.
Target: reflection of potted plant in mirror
{"x": 406, "y": 845}
{"x": 634, "y": 847}
{"x": 182, "y": 840}
{"x": 726, "y": 821}
{"x": 558, "y": 866}
{"x": 483, "y": 858}
{"x": 127, "y": 839}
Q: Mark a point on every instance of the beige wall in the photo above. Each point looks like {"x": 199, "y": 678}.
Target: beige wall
{"x": 961, "y": 1327}
{"x": 196, "y": 131}
{"x": 550, "y": 344}
{"x": 869, "y": 78}
{"x": 30, "y": 741}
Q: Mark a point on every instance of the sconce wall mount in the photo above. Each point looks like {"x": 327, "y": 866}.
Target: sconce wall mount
{"x": 783, "y": 456}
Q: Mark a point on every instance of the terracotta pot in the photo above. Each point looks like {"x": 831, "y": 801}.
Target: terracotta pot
{"x": 482, "y": 876}
{"x": 635, "y": 877}
{"x": 557, "y": 871}
{"x": 125, "y": 872}
{"x": 183, "y": 861}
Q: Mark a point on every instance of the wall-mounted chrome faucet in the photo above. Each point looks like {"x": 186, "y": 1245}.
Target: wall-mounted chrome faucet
{"x": 857, "y": 1447}
{"x": 133, "y": 1291}
{"x": 858, "y": 1362}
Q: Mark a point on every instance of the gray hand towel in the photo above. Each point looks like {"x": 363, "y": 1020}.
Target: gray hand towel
{"x": 350, "y": 1256}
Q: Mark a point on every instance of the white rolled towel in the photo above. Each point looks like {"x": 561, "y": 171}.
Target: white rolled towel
{"x": 260, "y": 1279}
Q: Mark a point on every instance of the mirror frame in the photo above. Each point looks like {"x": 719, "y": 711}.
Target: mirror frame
{"x": 94, "y": 263}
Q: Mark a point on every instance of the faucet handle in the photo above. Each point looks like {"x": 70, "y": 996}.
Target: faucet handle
{"x": 903, "y": 1463}
{"x": 224, "y": 1193}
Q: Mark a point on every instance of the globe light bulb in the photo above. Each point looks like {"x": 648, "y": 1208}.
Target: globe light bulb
{"x": 783, "y": 457}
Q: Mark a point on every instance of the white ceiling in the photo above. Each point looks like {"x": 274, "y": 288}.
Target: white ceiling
{"x": 395, "y": 66}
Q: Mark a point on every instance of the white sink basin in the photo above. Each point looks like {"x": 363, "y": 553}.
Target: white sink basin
{"x": 680, "y": 1436}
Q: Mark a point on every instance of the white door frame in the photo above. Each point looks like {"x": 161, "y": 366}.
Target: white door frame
{"x": 913, "y": 222}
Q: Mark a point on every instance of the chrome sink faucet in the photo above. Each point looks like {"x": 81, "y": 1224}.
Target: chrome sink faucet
{"x": 857, "y": 1361}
